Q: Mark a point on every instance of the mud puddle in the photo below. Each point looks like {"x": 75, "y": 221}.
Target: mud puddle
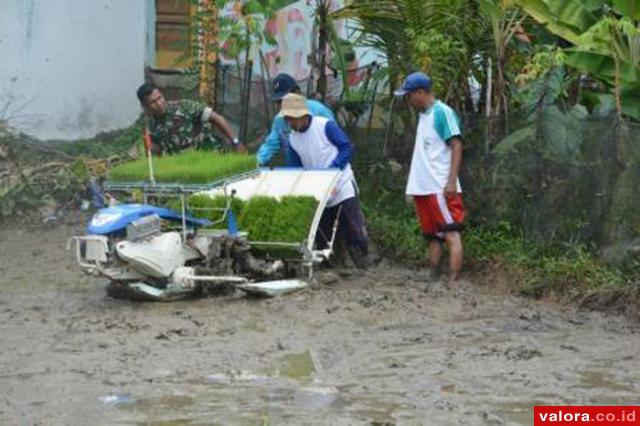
{"x": 373, "y": 349}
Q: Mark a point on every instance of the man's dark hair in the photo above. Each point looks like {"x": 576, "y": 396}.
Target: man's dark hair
{"x": 144, "y": 91}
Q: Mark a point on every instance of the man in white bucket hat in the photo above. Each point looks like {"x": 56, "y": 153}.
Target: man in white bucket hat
{"x": 278, "y": 138}
{"x": 316, "y": 142}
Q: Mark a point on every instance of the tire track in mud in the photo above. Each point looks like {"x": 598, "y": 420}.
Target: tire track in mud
{"x": 385, "y": 347}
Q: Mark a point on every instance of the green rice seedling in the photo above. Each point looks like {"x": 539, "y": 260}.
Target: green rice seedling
{"x": 265, "y": 219}
{"x": 292, "y": 219}
{"x": 211, "y": 208}
{"x": 199, "y": 202}
{"x": 185, "y": 167}
{"x": 257, "y": 217}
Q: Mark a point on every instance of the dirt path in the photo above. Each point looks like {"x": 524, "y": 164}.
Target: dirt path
{"x": 377, "y": 349}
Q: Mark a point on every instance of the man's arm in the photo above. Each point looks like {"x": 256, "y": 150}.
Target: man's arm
{"x": 337, "y": 137}
{"x": 271, "y": 145}
{"x": 221, "y": 123}
{"x": 456, "y": 159}
{"x": 209, "y": 115}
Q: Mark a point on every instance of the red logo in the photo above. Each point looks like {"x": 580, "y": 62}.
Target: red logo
{"x": 581, "y": 415}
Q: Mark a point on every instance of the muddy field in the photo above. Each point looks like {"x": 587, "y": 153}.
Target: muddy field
{"x": 380, "y": 349}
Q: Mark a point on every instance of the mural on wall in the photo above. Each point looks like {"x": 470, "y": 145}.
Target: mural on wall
{"x": 293, "y": 29}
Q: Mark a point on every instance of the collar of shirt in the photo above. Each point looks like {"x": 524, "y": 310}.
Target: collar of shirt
{"x": 428, "y": 108}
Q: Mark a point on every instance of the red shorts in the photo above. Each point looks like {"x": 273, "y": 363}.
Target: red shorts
{"x": 438, "y": 214}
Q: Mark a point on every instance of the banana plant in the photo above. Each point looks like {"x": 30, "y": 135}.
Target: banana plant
{"x": 605, "y": 35}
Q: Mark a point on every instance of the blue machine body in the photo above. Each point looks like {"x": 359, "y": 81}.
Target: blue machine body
{"x": 114, "y": 219}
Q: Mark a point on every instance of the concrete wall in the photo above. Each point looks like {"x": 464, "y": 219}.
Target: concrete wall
{"x": 69, "y": 68}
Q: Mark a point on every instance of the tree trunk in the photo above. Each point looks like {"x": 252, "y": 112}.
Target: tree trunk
{"x": 208, "y": 55}
{"x": 322, "y": 9}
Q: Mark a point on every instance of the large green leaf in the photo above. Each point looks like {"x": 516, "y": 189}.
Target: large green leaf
{"x": 602, "y": 66}
{"x": 572, "y": 13}
{"x": 516, "y": 141}
{"x": 630, "y": 100}
{"x": 558, "y": 135}
{"x": 541, "y": 12}
{"x": 491, "y": 9}
{"x": 601, "y": 104}
{"x": 546, "y": 89}
{"x": 594, "y": 5}
{"x": 598, "y": 37}
{"x": 562, "y": 133}
{"x": 628, "y": 8}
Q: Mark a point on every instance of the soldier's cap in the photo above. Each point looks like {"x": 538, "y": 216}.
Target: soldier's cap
{"x": 282, "y": 85}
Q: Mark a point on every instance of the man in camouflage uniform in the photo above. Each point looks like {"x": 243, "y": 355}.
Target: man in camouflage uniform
{"x": 182, "y": 124}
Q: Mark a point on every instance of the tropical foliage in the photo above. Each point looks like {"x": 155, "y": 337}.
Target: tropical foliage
{"x": 551, "y": 154}
{"x": 496, "y": 42}
{"x": 436, "y": 36}
{"x": 604, "y": 42}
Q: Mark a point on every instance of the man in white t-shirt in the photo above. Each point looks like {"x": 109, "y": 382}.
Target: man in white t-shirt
{"x": 433, "y": 178}
{"x": 317, "y": 142}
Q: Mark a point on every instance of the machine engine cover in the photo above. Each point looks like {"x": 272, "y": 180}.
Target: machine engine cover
{"x": 157, "y": 256}
{"x": 117, "y": 218}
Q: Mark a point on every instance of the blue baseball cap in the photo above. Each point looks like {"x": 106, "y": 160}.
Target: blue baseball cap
{"x": 414, "y": 81}
{"x": 283, "y": 84}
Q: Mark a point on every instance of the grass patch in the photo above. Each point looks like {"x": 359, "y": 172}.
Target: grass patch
{"x": 535, "y": 268}
{"x": 397, "y": 234}
{"x": 564, "y": 269}
{"x": 185, "y": 167}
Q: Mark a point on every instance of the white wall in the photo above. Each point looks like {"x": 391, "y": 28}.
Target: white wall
{"x": 69, "y": 68}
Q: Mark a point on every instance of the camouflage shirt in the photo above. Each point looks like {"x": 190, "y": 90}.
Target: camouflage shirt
{"x": 185, "y": 125}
